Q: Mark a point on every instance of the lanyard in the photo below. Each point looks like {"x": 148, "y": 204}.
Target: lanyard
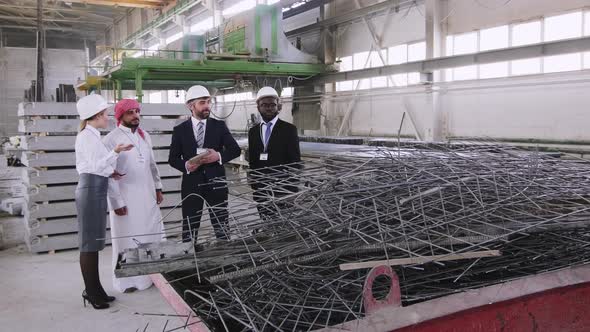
{"x": 133, "y": 142}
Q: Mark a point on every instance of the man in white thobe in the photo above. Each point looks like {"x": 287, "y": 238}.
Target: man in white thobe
{"x": 135, "y": 196}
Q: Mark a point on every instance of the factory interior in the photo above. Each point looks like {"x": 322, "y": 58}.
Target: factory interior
{"x": 294, "y": 165}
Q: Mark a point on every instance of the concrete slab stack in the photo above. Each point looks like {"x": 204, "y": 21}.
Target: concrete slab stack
{"x": 48, "y": 135}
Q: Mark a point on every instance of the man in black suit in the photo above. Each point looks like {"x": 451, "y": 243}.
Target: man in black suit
{"x": 273, "y": 150}
{"x": 210, "y": 137}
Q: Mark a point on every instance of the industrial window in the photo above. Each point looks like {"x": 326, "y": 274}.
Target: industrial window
{"x": 417, "y": 51}
{"x": 203, "y": 25}
{"x": 346, "y": 63}
{"x": 375, "y": 61}
{"x": 398, "y": 54}
{"x": 344, "y": 86}
{"x": 239, "y": 7}
{"x": 493, "y": 70}
{"x": 176, "y": 96}
{"x": 406, "y": 53}
{"x": 155, "y": 97}
{"x": 361, "y": 61}
{"x": 524, "y": 34}
{"x": 233, "y": 97}
{"x": 491, "y": 39}
{"x": 587, "y": 33}
{"x": 464, "y": 44}
{"x": 565, "y": 62}
{"x": 174, "y": 37}
{"x": 563, "y": 27}
{"x": 287, "y": 92}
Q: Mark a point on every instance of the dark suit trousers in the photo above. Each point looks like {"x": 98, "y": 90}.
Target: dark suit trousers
{"x": 192, "y": 208}
{"x": 268, "y": 207}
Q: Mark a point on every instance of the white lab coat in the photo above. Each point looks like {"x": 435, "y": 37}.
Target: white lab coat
{"x": 137, "y": 191}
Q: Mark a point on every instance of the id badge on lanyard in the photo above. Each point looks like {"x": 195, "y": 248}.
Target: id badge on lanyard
{"x": 264, "y": 154}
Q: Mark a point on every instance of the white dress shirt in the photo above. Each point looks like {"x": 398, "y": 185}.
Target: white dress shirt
{"x": 92, "y": 156}
{"x": 195, "y": 123}
{"x": 263, "y": 126}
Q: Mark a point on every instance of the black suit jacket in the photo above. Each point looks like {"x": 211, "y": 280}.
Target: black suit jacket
{"x": 283, "y": 147}
{"x": 184, "y": 146}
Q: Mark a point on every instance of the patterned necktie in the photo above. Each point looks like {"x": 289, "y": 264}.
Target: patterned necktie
{"x": 200, "y": 135}
{"x": 267, "y": 136}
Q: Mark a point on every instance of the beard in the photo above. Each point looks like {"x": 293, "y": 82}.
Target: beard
{"x": 131, "y": 124}
{"x": 267, "y": 117}
{"x": 203, "y": 114}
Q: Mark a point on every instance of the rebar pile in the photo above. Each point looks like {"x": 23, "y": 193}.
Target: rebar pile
{"x": 282, "y": 273}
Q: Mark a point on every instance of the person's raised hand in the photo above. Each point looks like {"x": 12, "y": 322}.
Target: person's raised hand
{"x": 123, "y": 147}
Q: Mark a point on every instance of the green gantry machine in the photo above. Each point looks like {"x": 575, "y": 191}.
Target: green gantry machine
{"x": 250, "y": 47}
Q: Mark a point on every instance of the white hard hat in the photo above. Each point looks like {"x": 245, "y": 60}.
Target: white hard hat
{"x": 90, "y": 105}
{"x": 196, "y": 91}
{"x": 266, "y": 91}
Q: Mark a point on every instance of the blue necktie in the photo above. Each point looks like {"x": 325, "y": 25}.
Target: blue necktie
{"x": 200, "y": 135}
{"x": 267, "y": 136}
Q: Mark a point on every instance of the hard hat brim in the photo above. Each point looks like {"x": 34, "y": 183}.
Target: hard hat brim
{"x": 266, "y": 96}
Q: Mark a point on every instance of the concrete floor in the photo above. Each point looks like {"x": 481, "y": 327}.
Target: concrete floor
{"x": 43, "y": 293}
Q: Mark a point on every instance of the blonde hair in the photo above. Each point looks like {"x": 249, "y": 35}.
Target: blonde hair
{"x": 83, "y": 123}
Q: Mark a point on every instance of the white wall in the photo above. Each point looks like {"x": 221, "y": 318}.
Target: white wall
{"x": 550, "y": 107}
{"x": 62, "y": 67}
{"x": 398, "y": 28}
{"x": 17, "y": 70}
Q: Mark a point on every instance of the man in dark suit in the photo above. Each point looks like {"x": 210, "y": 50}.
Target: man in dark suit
{"x": 273, "y": 150}
{"x": 202, "y": 135}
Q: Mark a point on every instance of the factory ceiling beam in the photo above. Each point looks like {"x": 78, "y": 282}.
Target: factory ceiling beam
{"x": 54, "y": 9}
{"x": 357, "y": 15}
{"x": 124, "y": 3}
{"x": 180, "y": 8}
{"x": 50, "y": 28}
{"x": 52, "y": 19}
{"x": 428, "y": 66}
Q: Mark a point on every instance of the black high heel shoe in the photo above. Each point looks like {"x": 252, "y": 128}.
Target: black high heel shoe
{"x": 106, "y": 297}
{"x": 97, "y": 303}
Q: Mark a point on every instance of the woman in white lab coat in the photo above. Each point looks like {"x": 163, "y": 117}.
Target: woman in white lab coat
{"x": 95, "y": 164}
